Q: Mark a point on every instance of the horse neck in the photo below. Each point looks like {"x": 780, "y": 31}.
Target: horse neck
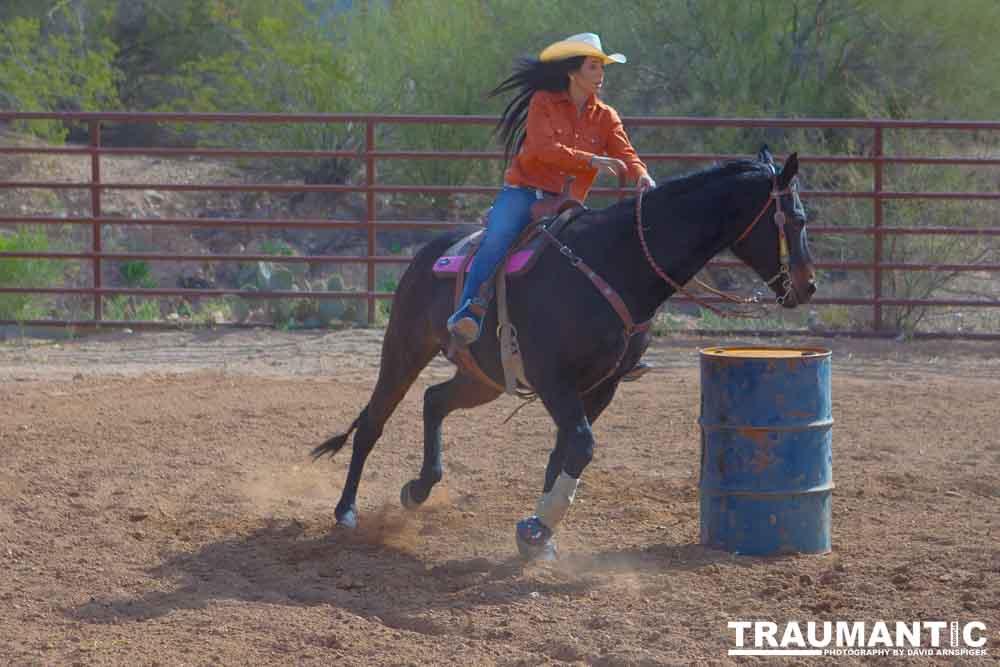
{"x": 683, "y": 233}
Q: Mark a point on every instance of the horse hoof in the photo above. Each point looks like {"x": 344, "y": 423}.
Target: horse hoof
{"x": 347, "y": 520}
{"x": 547, "y": 551}
{"x": 534, "y": 540}
{"x": 410, "y": 495}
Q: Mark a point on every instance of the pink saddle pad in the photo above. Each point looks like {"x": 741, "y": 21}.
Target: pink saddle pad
{"x": 451, "y": 263}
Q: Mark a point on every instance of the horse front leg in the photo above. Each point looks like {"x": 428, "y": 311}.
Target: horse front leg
{"x": 593, "y": 404}
{"x": 573, "y": 451}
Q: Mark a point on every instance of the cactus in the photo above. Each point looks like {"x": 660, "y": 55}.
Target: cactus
{"x": 281, "y": 279}
{"x": 262, "y": 275}
{"x": 265, "y": 276}
{"x": 246, "y": 278}
{"x": 280, "y": 310}
{"x": 241, "y": 309}
{"x": 335, "y": 283}
{"x": 334, "y": 309}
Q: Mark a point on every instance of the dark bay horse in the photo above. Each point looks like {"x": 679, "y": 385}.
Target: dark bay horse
{"x": 570, "y": 337}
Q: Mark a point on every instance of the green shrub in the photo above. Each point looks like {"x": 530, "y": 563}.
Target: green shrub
{"x": 273, "y": 247}
{"x": 54, "y": 71}
{"x": 16, "y": 272}
{"x": 136, "y": 274}
{"x": 122, "y": 307}
{"x": 383, "y": 307}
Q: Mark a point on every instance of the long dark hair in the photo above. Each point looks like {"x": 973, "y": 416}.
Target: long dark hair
{"x": 530, "y": 75}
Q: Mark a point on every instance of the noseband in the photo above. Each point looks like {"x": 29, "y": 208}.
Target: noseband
{"x": 785, "y": 257}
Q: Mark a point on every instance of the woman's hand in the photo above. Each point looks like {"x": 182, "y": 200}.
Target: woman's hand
{"x": 611, "y": 165}
{"x": 644, "y": 183}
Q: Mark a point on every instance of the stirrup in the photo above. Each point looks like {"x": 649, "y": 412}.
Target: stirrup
{"x": 466, "y": 324}
{"x": 465, "y": 329}
{"x": 636, "y": 372}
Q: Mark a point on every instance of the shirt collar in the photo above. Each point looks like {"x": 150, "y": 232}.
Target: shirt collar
{"x": 563, "y": 96}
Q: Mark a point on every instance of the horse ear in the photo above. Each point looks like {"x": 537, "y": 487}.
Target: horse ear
{"x": 764, "y": 155}
{"x": 789, "y": 171}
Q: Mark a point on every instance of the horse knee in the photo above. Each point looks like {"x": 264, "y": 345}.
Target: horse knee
{"x": 579, "y": 450}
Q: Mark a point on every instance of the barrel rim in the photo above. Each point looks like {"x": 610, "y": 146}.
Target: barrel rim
{"x": 808, "y": 352}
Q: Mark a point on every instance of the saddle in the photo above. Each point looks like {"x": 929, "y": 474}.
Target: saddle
{"x": 520, "y": 259}
{"x": 522, "y": 256}
{"x": 557, "y": 212}
{"x": 525, "y": 252}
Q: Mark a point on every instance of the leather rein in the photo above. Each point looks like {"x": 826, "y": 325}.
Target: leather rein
{"x": 783, "y": 273}
{"x": 630, "y": 328}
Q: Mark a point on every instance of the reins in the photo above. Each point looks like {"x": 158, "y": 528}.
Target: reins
{"x": 784, "y": 272}
{"x": 461, "y": 356}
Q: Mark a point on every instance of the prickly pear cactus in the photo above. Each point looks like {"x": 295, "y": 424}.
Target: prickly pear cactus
{"x": 344, "y": 310}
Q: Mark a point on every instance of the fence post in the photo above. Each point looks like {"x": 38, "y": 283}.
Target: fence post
{"x": 370, "y": 214}
{"x": 877, "y": 166}
{"x": 95, "y": 211}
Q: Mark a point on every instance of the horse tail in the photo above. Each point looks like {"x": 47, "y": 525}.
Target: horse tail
{"x": 336, "y": 443}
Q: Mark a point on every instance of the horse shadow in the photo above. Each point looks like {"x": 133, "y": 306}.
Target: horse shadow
{"x": 286, "y": 562}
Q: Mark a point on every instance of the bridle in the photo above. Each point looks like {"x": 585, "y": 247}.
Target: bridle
{"x": 784, "y": 255}
{"x": 784, "y": 272}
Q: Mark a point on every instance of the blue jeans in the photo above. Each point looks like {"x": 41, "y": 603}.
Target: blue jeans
{"x": 510, "y": 214}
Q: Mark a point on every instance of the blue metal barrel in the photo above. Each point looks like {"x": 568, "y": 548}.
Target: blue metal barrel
{"x": 766, "y": 450}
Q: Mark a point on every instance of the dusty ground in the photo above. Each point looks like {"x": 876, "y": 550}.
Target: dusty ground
{"x": 157, "y": 507}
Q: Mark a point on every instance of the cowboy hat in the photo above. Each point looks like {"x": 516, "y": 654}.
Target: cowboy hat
{"x": 584, "y": 44}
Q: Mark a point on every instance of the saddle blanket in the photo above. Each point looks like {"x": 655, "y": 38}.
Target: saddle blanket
{"x": 449, "y": 264}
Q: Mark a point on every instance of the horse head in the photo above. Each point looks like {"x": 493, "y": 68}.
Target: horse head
{"x": 775, "y": 244}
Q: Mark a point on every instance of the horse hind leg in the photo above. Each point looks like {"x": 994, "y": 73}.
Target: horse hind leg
{"x": 458, "y": 393}
{"x": 402, "y": 361}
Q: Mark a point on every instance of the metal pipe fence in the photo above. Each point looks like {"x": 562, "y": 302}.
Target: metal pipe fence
{"x": 874, "y": 157}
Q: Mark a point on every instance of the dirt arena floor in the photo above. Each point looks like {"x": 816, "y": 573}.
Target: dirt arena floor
{"x": 158, "y": 507}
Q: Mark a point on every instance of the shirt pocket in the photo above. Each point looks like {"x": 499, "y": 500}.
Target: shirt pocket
{"x": 592, "y": 140}
{"x": 562, "y": 133}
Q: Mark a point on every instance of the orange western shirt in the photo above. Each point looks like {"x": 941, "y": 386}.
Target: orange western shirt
{"x": 559, "y": 142}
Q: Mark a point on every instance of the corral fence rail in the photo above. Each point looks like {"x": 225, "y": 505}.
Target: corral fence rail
{"x": 370, "y": 155}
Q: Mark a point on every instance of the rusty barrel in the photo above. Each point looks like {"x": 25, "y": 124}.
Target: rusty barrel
{"x": 766, "y": 450}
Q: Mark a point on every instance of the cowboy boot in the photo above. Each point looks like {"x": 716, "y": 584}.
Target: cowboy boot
{"x": 466, "y": 323}
{"x": 510, "y": 214}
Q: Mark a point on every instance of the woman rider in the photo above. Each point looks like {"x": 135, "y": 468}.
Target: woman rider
{"x": 555, "y": 127}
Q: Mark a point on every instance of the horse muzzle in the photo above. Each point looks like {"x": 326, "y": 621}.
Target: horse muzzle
{"x": 800, "y": 288}
{"x": 794, "y": 288}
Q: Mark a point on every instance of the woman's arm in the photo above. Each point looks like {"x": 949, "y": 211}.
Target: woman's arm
{"x": 620, "y": 147}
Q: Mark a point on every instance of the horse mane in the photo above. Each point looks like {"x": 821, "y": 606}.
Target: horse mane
{"x": 686, "y": 183}
{"x": 695, "y": 180}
